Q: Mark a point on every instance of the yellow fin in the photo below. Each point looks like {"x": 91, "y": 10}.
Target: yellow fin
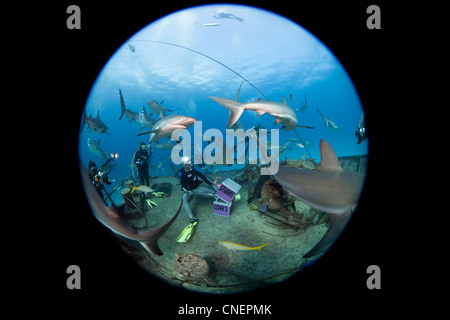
{"x": 263, "y": 245}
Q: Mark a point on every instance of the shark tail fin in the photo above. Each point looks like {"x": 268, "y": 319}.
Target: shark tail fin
{"x": 84, "y": 120}
{"x": 324, "y": 118}
{"x": 234, "y": 106}
{"x": 239, "y": 90}
{"x": 337, "y": 225}
{"x": 122, "y": 105}
{"x": 152, "y": 246}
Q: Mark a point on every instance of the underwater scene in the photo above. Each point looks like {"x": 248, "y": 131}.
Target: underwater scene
{"x": 225, "y": 148}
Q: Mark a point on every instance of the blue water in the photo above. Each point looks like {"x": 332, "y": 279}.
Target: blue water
{"x": 276, "y": 55}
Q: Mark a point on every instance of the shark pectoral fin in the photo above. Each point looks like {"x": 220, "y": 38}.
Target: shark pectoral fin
{"x": 175, "y": 137}
{"x": 306, "y": 127}
{"x": 337, "y": 225}
{"x": 152, "y": 246}
{"x": 146, "y": 132}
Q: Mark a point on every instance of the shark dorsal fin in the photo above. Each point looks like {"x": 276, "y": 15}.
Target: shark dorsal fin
{"x": 239, "y": 90}
{"x": 328, "y": 158}
{"x": 98, "y": 114}
{"x": 284, "y": 100}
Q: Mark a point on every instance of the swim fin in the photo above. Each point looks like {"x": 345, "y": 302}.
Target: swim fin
{"x": 186, "y": 234}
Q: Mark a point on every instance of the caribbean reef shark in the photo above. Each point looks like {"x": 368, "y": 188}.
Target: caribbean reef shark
{"x": 281, "y": 111}
{"x": 328, "y": 122}
{"x": 155, "y": 107}
{"x": 109, "y": 217}
{"x": 165, "y": 126}
{"x": 328, "y": 188}
{"x": 94, "y": 148}
{"x": 139, "y": 117}
{"x": 94, "y": 124}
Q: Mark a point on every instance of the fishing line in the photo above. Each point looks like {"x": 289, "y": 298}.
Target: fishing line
{"x": 132, "y": 166}
{"x": 303, "y": 143}
{"x": 202, "y": 54}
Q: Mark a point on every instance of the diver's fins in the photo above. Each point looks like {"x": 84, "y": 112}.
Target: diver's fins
{"x": 186, "y": 234}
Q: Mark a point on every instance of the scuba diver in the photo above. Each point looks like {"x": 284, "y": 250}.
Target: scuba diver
{"x": 191, "y": 185}
{"x": 99, "y": 177}
{"x": 142, "y": 161}
{"x": 361, "y": 133}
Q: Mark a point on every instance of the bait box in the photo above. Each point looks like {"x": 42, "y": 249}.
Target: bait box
{"x": 228, "y": 190}
{"x": 222, "y": 209}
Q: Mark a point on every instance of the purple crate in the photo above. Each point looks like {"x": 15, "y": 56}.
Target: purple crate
{"x": 222, "y": 209}
{"x": 228, "y": 190}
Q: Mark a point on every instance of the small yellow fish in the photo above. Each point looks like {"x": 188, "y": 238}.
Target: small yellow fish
{"x": 241, "y": 247}
{"x": 143, "y": 188}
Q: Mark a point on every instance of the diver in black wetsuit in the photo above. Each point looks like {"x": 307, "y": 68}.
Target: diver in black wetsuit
{"x": 361, "y": 133}
{"x": 98, "y": 177}
{"x": 191, "y": 185}
{"x": 142, "y": 161}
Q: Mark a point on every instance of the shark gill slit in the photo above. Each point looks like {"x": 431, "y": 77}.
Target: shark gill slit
{"x": 236, "y": 73}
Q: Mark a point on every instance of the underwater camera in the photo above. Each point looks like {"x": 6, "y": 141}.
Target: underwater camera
{"x": 223, "y": 67}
